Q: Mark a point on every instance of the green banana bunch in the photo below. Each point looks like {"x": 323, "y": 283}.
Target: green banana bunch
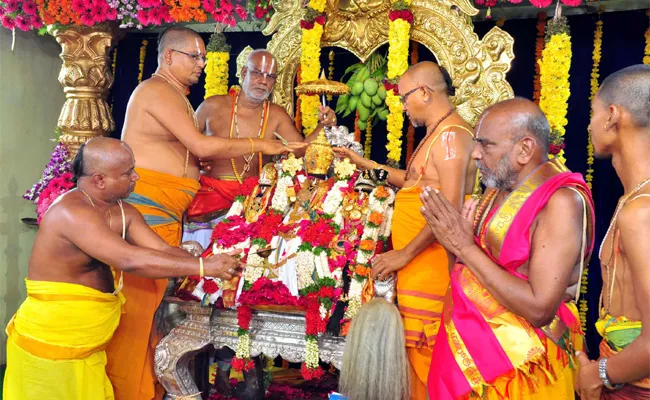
{"x": 367, "y": 93}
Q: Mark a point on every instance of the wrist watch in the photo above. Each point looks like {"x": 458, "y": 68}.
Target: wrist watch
{"x": 602, "y": 372}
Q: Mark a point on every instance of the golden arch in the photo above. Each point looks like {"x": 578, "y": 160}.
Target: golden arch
{"x": 477, "y": 67}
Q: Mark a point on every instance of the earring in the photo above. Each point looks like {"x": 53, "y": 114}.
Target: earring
{"x": 606, "y": 127}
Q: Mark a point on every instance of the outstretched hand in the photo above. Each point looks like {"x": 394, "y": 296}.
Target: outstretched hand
{"x": 275, "y": 147}
{"x": 326, "y": 116}
{"x": 356, "y": 159}
{"x": 453, "y": 230}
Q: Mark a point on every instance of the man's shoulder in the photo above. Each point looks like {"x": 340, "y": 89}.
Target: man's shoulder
{"x": 566, "y": 201}
{"x": 278, "y": 110}
{"x": 635, "y": 215}
{"x": 217, "y": 100}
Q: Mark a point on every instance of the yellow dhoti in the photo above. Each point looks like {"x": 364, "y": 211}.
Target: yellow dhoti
{"x": 56, "y": 342}
{"x": 162, "y": 199}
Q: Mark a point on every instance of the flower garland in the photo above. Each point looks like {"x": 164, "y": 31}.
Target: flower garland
{"x": 368, "y": 140}
{"x": 594, "y": 85}
{"x": 646, "y": 51}
{"x": 216, "y": 69}
{"x": 113, "y": 70}
{"x": 261, "y": 9}
{"x": 410, "y": 133}
{"x": 330, "y": 69}
{"x": 399, "y": 29}
{"x": 357, "y": 130}
{"x": 539, "y": 47}
{"x": 312, "y": 31}
{"x": 375, "y": 231}
{"x": 58, "y": 165}
{"x": 143, "y": 54}
{"x": 554, "y": 78}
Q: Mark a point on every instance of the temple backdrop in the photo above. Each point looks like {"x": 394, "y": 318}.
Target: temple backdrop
{"x": 623, "y": 44}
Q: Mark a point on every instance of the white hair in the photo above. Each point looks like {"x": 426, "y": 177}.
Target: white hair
{"x": 375, "y": 366}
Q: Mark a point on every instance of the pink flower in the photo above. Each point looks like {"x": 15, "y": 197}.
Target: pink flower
{"x": 11, "y": 6}
{"x": 230, "y": 20}
{"x": 2, "y": 11}
{"x": 37, "y": 23}
{"x": 87, "y": 18}
{"x": 111, "y": 15}
{"x": 541, "y": 3}
{"x": 79, "y": 6}
{"x": 29, "y": 8}
{"x": 515, "y": 1}
{"x": 208, "y": 5}
{"x": 8, "y": 22}
{"x": 259, "y": 12}
{"x": 241, "y": 11}
{"x": 23, "y": 23}
{"x": 226, "y": 6}
{"x": 143, "y": 17}
{"x": 98, "y": 13}
{"x": 572, "y": 3}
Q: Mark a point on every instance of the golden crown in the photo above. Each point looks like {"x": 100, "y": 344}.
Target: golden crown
{"x": 319, "y": 156}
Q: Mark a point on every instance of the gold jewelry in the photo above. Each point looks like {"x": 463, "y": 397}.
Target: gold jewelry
{"x": 201, "y": 272}
{"x": 252, "y": 145}
{"x": 92, "y": 203}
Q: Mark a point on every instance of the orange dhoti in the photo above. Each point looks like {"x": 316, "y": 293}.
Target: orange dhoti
{"x": 162, "y": 199}
{"x": 421, "y": 288}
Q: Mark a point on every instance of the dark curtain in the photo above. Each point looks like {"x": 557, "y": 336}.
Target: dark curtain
{"x": 623, "y": 44}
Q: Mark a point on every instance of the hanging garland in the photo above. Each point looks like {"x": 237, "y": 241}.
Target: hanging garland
{"x": 143, "y": 54}
{"x": 368, "y": 142}
{"x": 410, "y": 133}
{"x": 646, "y": 55}
{"x": 330, "y": 69}
{"x": 312, "y": 30}
{"x": 594, "y": 83}
{"x": 554, "y": 79}
{"x": 399, "y": 29}
{"x": 216, "y": 69}
{"x": 539, "y": 48}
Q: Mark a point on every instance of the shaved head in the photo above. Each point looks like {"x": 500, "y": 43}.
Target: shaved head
{"x": 175, "y": 37}
{"x": 259, "y": 58}
{"x": 520, "y": 117}
{"x": 99, "y": 155}
{"x": 629, "y": 88}
{"x": 430, "y": 74}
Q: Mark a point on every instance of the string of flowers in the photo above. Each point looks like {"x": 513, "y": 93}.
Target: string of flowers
{"x": 312, "y": 31}
{"x": 646, "y": 52}
{"x": 143, "y": 54}
{"x": 554, "y": 79}
{"x": 357, "y": 130}
{"x": 113, "y": 69}
{"x": 399, "y": 29}
{"x": 367, "y": 150}
{"x": 594, "y": 85}
{"x": 410, "y": 133}
{"x": 539, "y": 47}
{"x": 216, "y": 69}
{"x": 186, "y": 10}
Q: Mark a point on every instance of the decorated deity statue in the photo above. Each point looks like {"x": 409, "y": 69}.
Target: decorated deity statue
{"x": 259, "y": 200}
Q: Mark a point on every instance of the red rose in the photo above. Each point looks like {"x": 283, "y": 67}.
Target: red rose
{"x": 259, "y": 12}
{"x": 210, "y": 286}
{"x": 306, "y": 24}
{"x": 320, "y": 20}
{"x": 244, "y": 316}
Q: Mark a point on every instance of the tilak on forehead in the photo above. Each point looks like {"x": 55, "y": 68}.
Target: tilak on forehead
{"x": 198, "y": 46}
{"x": 267, "y": 61}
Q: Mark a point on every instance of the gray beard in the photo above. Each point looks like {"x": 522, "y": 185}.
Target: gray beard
{"x": 503, "y": 179}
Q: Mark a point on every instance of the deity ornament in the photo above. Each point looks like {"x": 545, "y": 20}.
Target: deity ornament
{"x": 319, "y": 156}
{"x": 385, "y": 289}
{"x": 365, "y": 183}
{"x": 340, "y": 136}
{"x": 260, "y": 198}
{"x": 379, "y": 176}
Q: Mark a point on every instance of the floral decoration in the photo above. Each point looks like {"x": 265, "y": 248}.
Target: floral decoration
{"x": 54, "y": 189}
{"x": 216, "y": 68}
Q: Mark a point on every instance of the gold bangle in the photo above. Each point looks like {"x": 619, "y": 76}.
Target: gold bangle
{"x": 201, "y": 273}
{"x": 252, "y": 145}
{"x": 377, "y": 165}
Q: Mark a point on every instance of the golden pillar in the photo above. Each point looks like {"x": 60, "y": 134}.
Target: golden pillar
{"x": 86, "y": 78}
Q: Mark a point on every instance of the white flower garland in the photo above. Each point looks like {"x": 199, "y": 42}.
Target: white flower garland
{"x": 243, "y": 346}
{"x": 305, "y": 263}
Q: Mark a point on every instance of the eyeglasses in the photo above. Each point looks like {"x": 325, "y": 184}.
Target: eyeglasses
{"x": 196, "y": 57}
{"x": 406, "y": 95}
{"x": 257, "y": 74}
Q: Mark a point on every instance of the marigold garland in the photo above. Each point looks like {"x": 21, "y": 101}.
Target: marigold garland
{"x": 539, "y": 47}
{"x": 186, "y": 10}
{"x": 410, "y": 132}
{"x": 310, "y": 67}
{"x": 398, "y": 46}
{"x": 594, "y": 83}
{"x": 216, "y": 69}
{"x": 554, "y": 78}
{"x": 143, "y": 54}
{"x": 646, "y": 54}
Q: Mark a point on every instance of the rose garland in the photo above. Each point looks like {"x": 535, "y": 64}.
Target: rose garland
{"x": 554, "y": 78}
{"x": 312, "y": 31}
{"x": 216, "y": 69}
{"x": 539, "y": 48}
{"x": 399, "y": 29}
{"x": 143, "y": 54}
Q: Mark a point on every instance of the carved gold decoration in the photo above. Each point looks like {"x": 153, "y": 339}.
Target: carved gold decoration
{"x": 86, "y": 77}
{"x": 319, "y": 156}
{"x": 477, "y": 67}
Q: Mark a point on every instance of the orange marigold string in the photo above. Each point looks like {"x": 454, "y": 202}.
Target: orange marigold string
{"x": 410, "y": 133}
{"x": 186, "y": 10}
{"x": 539, "y": 47}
